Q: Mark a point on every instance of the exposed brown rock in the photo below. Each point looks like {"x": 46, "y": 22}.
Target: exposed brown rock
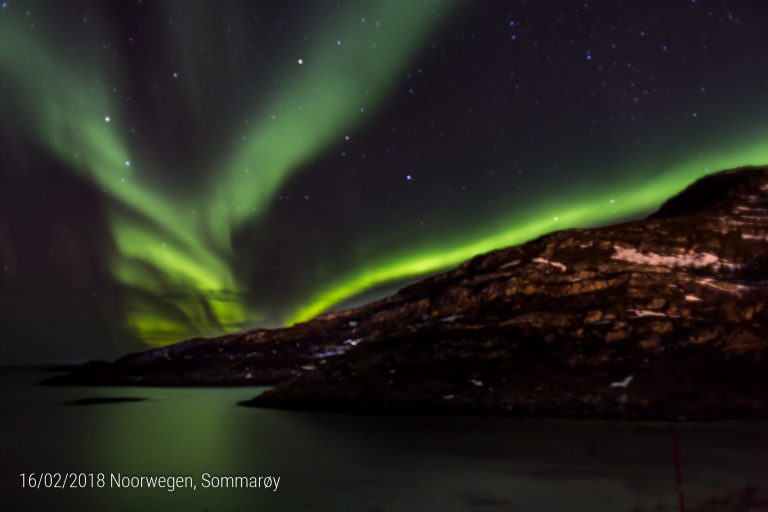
{"x": 658, "y": 318}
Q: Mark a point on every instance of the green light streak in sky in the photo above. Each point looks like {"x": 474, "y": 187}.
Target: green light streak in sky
{"x": 634, "y": 199}
{"x": 341, "y": 79}
{"x": 176, "y": 265}
{"x": 172, "y": 250}
{"x": 80, "y": 125}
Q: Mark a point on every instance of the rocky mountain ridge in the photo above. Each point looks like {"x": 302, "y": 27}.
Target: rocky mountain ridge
{"x": 659, "y": 318}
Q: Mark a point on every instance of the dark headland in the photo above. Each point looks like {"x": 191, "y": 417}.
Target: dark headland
{"x": 660, "y": 318}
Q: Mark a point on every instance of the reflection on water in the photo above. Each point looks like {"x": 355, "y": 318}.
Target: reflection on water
{"x": 337, "y": 462}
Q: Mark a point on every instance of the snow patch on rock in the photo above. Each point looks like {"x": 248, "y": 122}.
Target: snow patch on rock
{"x": 622, "y": 383}
{"x": 691, "y": 260}
{"x": 555, "y": 264}
{"x": 645, "y": 312}
{"x": 512, "y": 263}
{"x": 731, "y": 288}
{"x": 331, "y": 352}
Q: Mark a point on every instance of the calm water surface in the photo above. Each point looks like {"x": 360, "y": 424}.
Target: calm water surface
{"x": 340, "y": 463}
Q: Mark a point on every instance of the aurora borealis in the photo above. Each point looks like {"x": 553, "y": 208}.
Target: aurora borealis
{"x": 179, "y": 169}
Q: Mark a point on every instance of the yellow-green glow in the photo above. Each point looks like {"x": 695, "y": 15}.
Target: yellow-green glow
{"x": 172, "y": 246}
{"x": 176, "y": 246}
{"x": 633, "y": 199}
{"x": 332, "y": 92}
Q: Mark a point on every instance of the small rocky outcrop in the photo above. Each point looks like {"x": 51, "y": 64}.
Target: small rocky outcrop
{"x": 660, "y": 318}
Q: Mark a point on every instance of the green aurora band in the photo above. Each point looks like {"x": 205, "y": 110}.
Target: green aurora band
{"x": 173, "y": 252}
{"x": 633, "y": 199}
{"x": 173, "y": 258}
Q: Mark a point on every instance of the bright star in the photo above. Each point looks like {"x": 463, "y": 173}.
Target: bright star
{"x": 127, "y": 163}
{"x": 107, "y": 119}
{"x": 300, "y": 61}
{"x": 409, "y": 177}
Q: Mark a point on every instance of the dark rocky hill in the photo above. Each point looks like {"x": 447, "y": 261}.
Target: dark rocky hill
{"x": 665, "y": 317}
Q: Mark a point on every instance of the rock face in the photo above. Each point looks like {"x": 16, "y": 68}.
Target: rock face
{"x": 251, "y": 358}
{"x": 665, "y": 317}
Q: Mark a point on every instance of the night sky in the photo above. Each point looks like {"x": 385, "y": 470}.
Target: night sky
{"x": 178, "y": 169}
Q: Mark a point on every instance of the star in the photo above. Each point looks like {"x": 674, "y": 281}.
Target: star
{"x": 469, "y": 80}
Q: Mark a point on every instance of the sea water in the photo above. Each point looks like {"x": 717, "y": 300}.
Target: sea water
{"x": 170, "y": 445}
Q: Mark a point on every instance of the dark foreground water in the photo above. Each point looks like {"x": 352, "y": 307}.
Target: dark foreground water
{"x": 348, "y": 463}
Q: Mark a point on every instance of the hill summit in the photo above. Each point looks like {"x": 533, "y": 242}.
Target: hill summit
{"x": 660, "y": 318}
